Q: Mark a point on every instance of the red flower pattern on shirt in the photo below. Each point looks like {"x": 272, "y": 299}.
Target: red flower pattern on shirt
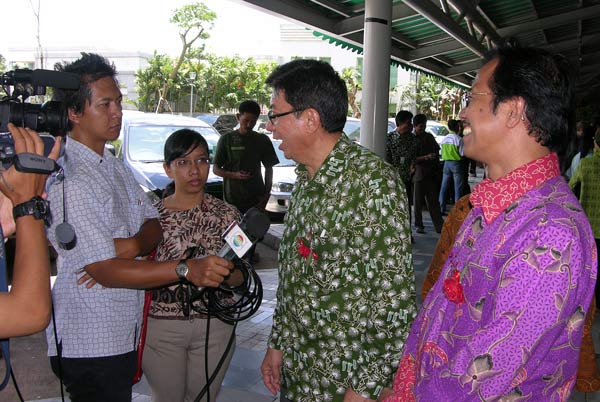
{"x": 404, "y": 382}
{"x": 495, "y": 196}
{"x": 306, "y": 251}
{"x": 453, "y": 289}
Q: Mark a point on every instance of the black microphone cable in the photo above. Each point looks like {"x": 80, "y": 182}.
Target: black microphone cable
{"x": 209, "y": 381}
{"x": 229, "y": 303}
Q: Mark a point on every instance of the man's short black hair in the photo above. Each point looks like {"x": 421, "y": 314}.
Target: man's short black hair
{"x": 403, "y": 116}
{"x": 91, "y": 67}
{"x": 313, "y": 84}
{"x": 419, "y": 119}
{"x": 453, "y": 125}
{"x": 249, "y": 106}
{"x": 545, "y": 82}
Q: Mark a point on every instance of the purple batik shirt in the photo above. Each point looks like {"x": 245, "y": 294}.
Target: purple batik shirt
{"x": 528, "y": 278}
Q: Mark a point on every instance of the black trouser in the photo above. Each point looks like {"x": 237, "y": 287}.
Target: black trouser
{"x": 472, "y": 163}
{"x": 97, "y": 379}
{"x": 427, "y": 191}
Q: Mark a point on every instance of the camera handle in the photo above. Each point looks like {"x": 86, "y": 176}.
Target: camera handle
{"x": 33, "y": 163}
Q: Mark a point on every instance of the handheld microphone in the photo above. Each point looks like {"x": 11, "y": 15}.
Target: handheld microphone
{"x": 232, "y": 303}
{"x": 240, "y": 238}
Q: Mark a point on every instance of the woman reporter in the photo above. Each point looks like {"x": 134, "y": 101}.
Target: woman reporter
{"x": 26, "y": 308}
{"x": 193, "y": 223}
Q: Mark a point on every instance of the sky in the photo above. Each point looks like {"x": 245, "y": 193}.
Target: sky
{"x": 133, "y": 25}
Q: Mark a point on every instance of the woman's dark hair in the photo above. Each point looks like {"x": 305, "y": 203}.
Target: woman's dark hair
{"x": 179, "y": 144}
{"x": 313, "y": 84}
{"x": 544, "y": 81}
{"x": 91, "y": 67}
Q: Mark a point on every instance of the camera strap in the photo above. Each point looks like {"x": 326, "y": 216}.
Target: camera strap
{"x": 4, "y": 288}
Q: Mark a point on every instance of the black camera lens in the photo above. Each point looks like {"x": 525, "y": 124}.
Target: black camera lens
{"x": 47, "y": 117}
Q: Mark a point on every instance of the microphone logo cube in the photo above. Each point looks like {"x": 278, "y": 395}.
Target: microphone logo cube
{"x": 239, "y": 242}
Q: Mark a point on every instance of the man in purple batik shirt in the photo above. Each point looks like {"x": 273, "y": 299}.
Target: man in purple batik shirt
{"x": 504, "y": 321}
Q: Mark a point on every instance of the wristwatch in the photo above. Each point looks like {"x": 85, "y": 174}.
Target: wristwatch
{"x": 37, "y": 206}
{"x": 182, "y": 269}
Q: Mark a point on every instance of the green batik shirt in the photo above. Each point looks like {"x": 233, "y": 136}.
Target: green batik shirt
{"x": 346, "y": 294}
{"x": 588, "y": 174}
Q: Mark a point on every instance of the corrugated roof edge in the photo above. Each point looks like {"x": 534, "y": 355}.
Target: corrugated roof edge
{"x": 359, "y": 50}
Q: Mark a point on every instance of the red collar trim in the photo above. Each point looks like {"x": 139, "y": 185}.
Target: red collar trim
{"x": 495, "y": 196}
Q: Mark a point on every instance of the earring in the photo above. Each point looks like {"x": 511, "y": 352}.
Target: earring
{"x": 522, "y": 117}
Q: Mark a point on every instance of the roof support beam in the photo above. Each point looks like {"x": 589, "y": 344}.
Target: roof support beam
{"x": 434, "y": 50}
{"x": 475, "y": 16}
{"x": 396, "y": 37}
{"x": 335, "y": 7}
{"x": 444, "y": 5}
{"x": 464, "y": 68}
{"x": 447, "y": 24}
{"x": 585, "y": 41}
{"x": 428, "y": 67}
{"x": 552, "y": 21}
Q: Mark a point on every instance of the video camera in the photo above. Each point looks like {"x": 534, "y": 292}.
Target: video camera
{"x": 50, "y": 117}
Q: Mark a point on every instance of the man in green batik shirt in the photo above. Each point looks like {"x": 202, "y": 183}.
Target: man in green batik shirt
{"x": 587, "y": 175}
{"x": 346, "y": 295}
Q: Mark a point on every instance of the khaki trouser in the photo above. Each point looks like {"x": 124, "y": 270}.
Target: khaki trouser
{"x": 174, "y": 358}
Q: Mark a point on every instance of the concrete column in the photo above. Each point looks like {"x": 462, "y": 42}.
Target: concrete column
{"x": 376, "y": 74}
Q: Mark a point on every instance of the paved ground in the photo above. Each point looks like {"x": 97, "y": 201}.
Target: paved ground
{"x": 243, "y": 380}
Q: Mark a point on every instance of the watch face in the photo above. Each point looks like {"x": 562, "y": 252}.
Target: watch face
{"x": 37, "y": 207}
{"x": 182, "y": 269}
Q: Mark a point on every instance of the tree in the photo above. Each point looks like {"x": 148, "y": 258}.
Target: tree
{"x": 36, "y": 12}
{"x": 151, "y": 81}
{"x": 220, "y": 83}
{"x": 223, "y": 82}
{"x": 350, "y": 76}
{"x": 194, "y": 21}
{"x": 432, "y": 96}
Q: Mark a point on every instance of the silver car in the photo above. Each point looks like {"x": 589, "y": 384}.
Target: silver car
{"x": 284, "y": 178}
{"x": 142, "y": 142}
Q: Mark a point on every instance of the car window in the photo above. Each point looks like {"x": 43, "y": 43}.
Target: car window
{"x": 226, "y": 120}
{"x": 283, "y": 161}
{"x": 208, "y": 118}
{"x": 437, "y": 129}
{"x": 146, "y": 142}
{"x": 352, "y": 129}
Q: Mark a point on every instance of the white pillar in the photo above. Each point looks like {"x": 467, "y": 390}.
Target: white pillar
{"x": 376, "y": 74}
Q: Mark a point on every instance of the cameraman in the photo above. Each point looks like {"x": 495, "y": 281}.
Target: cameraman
{"x": 26, "y": 308}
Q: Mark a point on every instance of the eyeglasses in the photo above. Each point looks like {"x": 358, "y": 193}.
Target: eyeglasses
{"x": 469, "y": 94}
{"x": 187, "y": 163}
{"x": 274, "y": 116}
